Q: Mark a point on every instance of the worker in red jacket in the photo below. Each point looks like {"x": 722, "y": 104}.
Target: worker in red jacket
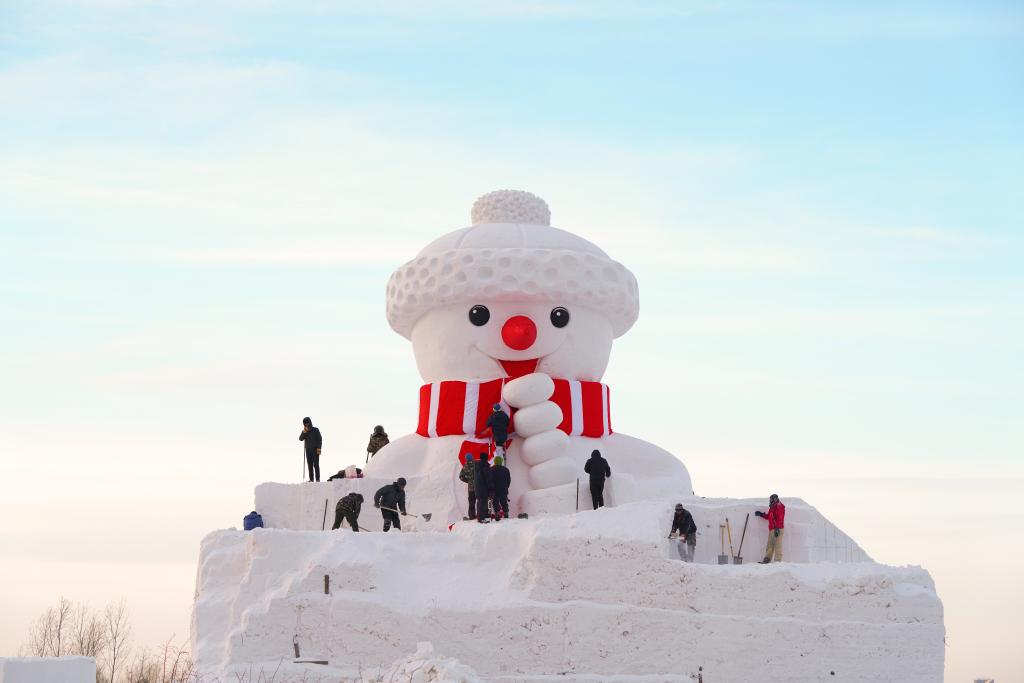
{"x": 776, "y": 517}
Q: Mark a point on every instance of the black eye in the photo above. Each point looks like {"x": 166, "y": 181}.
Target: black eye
{"x": 559, "y": 317}
{"x": 479, "y": 315}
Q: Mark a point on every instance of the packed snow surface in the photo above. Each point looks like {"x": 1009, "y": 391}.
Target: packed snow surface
{"x": 592, "y": 596}
{"x": 47, "y": 670}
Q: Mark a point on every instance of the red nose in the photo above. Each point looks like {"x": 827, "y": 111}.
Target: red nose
{"x": 519, "y": 332}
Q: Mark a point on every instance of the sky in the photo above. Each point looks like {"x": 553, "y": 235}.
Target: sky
{"x": 201, "y": 203}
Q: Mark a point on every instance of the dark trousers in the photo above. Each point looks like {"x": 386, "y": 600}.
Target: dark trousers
{"x": 313, "y": 462}
{"x": 391, "y": 520}
{"x": 481, "y": 507}
{"x": 472, "y": 504}
{"x": 339, "y": 516}
{"x": 501, "y": 504}
{"x": 597, "y": 493}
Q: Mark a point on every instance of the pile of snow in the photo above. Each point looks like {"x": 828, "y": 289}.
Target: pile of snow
{"x": 595, "y": 595}
{"x": 424, "y": 666}
{"x": 47, "y": 670}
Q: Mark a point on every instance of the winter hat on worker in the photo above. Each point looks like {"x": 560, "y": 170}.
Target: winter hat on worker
{"x": 511, "y": 253}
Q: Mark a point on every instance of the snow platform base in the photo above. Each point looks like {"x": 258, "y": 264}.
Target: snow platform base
{"x": 596, "y": 596}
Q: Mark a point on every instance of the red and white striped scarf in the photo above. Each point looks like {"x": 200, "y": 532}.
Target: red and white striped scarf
{"x": 461, "y": 408}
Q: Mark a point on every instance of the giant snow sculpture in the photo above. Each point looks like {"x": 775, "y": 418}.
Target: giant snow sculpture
{"x": 516, "y": 311}
{"x": 513, "y": 309}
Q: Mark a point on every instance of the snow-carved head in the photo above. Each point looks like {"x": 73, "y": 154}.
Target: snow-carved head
{"x": 511, "y": 295}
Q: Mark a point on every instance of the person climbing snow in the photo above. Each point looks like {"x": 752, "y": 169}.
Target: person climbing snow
{"x": 686, "y": 528}
{"x": 347, "y": 510}
{"x": 501, "y": 479}
{"x": 390, "y": 498}
{"x": 378, "y": 440}
{"x": 497, "y": 425}
{"x": 313, "y": 441}
{"x": 599, "y": 470}
{"x": 483, "y": 485}
{"x": 468, "y": 476}
{"x": 776, "y": 517}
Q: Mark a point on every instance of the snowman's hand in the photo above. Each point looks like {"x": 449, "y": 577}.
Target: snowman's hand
{"x": 545, "y": 446}
{"x": 556, "y": 472}
{"x": 528, "y": 390}
{"x": 537, "y": 419}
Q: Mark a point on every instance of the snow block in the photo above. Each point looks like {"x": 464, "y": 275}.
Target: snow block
{"x": 47, "y": 670}
{"x": 593, "y": 596}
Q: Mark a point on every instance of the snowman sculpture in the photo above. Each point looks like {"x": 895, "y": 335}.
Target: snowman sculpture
{"x": 513, "y": 311}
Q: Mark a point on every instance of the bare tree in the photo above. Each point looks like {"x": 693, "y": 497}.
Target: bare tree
{"x": 87, "y": 633}
{"x": 171, "y": 664}
{"x": 70, "y": 628}
{"x": 48, "y": 635}
{"x": 117, "y": 632}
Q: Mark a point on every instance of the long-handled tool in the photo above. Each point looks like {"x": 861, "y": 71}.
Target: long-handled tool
{"x": 426, "y": 515}
{"x": 722, "y": 558}
{"x": 738, "y": 558}
{"x": 728, "y": 529}
{"x": 323, "y": 525}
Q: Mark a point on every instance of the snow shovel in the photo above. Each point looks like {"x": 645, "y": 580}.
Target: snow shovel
{"x": 728, "y": 529}
{"x": 426, "y": 515}
{"x": 738, "y": 559}
{"x": 722, "y": 558}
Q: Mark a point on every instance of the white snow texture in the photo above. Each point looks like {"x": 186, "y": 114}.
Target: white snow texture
{"x": 596, "y": 596}
{"x": 47, "y": 670}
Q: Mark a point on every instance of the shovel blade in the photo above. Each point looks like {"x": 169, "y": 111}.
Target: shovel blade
{"x": 723, "y": 559}
{"x": 737, "y": 560}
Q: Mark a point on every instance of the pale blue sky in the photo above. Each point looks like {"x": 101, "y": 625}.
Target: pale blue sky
{"x": 200, "y": 207}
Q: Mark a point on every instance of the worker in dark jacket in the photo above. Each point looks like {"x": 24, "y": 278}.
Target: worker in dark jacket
{"x": 599, "y": 470}
{"x": 378, "y": 440}
{"x": 776, "y": 517}
{"x": 502, "y": 479}
{"x": 348, "y": 509}
{"x": 685, "y": 530}
{"x": 484, "y": 486}
{"x": 497, "y": 425}
{"x": 389, "y": 499}
{"x": 314, "y": 442}
{"x": 468, "y": 477}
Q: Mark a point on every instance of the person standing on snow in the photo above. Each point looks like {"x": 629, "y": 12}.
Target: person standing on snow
{"x": 348, "y": 509}
{"x": 599, "y": 470}
{"x": 497, "y": 425}
{"x": 468, "y": 477}
{"x": 484, "y": 486}
{"x": 686, "y": 528}
{"x": 310, "y": 435}
{"x": 378, "y": 440}
{"x": 502, "y": 479}
{"x": 390, "y": 498}
{"x": 776, "y": 517}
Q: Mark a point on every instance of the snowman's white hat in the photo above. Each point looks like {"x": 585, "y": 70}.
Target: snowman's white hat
{"x": 511, "y": 253}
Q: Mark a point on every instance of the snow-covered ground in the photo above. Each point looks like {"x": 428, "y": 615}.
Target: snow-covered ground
{"x": 588, "y": 596}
